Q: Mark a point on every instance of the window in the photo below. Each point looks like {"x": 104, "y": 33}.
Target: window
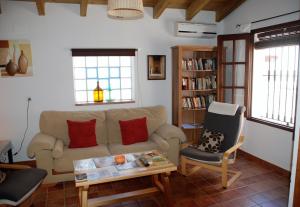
{"x": 113, "y": 68}
{"x": 274, "y": 74}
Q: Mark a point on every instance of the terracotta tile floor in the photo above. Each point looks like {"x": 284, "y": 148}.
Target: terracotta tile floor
{"x": 258, "y": 186}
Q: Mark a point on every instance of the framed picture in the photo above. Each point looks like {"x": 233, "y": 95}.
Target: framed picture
{"x": 15, "y": 58}
{"x": 156, "y": 67}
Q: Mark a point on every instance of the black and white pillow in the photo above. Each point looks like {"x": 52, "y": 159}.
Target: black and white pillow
{"x": 211, "y": 141}
{"x": 2, "y": 176}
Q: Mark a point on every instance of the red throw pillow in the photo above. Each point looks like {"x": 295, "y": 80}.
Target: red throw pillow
{"x": 134, "y": 131}
{"x": 82, "y": 134}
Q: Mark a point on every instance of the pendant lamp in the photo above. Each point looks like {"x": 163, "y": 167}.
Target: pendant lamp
{"x": 125, "y": 9}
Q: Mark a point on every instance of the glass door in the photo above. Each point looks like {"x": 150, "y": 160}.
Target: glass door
{"x": 233, "y": 67}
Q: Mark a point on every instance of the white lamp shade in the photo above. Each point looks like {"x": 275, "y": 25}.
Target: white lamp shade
{"x": 125, "y": 9}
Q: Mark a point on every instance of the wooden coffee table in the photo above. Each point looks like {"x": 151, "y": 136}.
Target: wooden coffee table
{"x": 104, "y": 170}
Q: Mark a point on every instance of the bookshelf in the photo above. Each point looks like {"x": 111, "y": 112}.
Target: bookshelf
{"x": 194, "y": 86}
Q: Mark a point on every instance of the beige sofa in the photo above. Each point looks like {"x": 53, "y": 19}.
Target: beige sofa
{"x": 50, "y": 146}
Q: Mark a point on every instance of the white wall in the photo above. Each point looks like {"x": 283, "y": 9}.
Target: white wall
{"x": 268, "y": 143}
{"x": 52, "y": 37}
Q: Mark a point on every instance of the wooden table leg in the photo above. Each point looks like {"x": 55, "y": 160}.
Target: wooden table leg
{"x": 79, "y": 195}
{"x": 83, "y": 191}
{"x": 167, "y": 189}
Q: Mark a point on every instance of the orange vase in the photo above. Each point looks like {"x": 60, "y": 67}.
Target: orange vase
{"x": 98, "y": 93}
{"x": 23, "y": 63}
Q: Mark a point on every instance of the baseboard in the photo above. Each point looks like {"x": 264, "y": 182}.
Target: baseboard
{"x": 253, "y": 158}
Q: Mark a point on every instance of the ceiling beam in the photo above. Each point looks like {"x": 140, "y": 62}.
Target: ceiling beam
{"x": 83, "y": 7}
{"x": 159, "y": 8}
{"x": 222, "y": 13}
{"x": 195, "y": 7}
{"x": 40, "y": 5}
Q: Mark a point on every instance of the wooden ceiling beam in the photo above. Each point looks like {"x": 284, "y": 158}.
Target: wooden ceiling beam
{"x": 160, "y": 7}
{"x": 83, "y": 7}
{"x": 222, "y": 13}
{"x": 40, "y": 5}
{"x": 195, "y": 7}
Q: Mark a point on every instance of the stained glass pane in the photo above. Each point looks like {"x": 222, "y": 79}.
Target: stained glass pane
{"x": 115, "y": 94}
{"x": 91, "y": 61}
{"x": 126, "y": 83}
{"x": 114, "y": 83}
{"x": 80, "y": 85}
{"x": 125, "y": 72}
{"x": 114, "y": 61}
{"x": 103, "y": 61}
{"x": 79, "y": 73}
{"x": 78, "y": 62}
{"x": 92, "y": 73}
{"x": 126, "y": 94}
{"x": 91, "y": 84}
{"x": 103, "y": 72}
{"x": 114, "y": 72}
{"x": 81, "y": 96}
{"x": 125, "y": 61}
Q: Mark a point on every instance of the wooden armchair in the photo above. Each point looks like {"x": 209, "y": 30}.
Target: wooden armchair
{"x": 20, "y": 183}
{"x": 230, "y": 125}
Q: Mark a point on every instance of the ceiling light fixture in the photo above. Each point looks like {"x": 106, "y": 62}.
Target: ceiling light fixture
{"x": 125, "y": 9}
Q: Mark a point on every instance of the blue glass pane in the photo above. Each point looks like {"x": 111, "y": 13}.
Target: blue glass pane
{"x": 103, "y": 83}
{"x": 114, "y": 61}
{"x": 125, "y": 60}
{"x": 80, "y": 85}
{"x": 91, "y": 73}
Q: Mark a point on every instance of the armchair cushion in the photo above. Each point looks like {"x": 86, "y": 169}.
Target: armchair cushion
{"x": 194, "y": 153}
{"x": 19, "y": 183}
{"x": 58, "y": 149}
{"x": 40, "y": 142}
{"x": 168, "y": 131}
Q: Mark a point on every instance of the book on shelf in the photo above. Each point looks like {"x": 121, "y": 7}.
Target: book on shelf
{"x": 199, "y": 64}
{"x": 197, "y": 102}
{"x": 192, "y": 125}
{"x": 208, "y": 82}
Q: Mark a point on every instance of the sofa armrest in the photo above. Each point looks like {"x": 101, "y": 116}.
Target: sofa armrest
{"x": 168, "y": 131}
{"x": 58, "y": 149}
{"x": 40, "y": 142}
{"x": 162, "y": 143}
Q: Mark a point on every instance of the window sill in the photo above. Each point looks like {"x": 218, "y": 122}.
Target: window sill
{"x": 271, "y": 124}
{"x": 105, "y": 103}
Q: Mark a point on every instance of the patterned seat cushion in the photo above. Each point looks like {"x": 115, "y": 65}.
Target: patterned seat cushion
{"x": 211, "y": 141}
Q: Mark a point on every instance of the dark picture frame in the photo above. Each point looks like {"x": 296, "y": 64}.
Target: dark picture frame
{"x": 156, "y": 67}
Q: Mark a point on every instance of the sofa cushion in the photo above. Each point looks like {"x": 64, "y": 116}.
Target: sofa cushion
{"x": 82, "y": 133}
{"x": 54, "y": 123}
{"x": 137, "y": 147}
{"x": 134, "y": 131}
{"x": 156, "y": 116}
{"x": 65, "y": 163}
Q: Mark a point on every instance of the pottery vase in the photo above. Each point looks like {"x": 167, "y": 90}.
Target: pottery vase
{"x": 11, "y": 68}
{"x": 23, "y": 63}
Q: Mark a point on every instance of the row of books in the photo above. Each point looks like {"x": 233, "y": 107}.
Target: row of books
{"x": 208, "y": 82}
{"x": 197, "y": 102}
{"x": 199, "y": 64}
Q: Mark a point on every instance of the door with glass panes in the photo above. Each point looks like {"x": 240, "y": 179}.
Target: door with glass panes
{"x": 233, "y": 66}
